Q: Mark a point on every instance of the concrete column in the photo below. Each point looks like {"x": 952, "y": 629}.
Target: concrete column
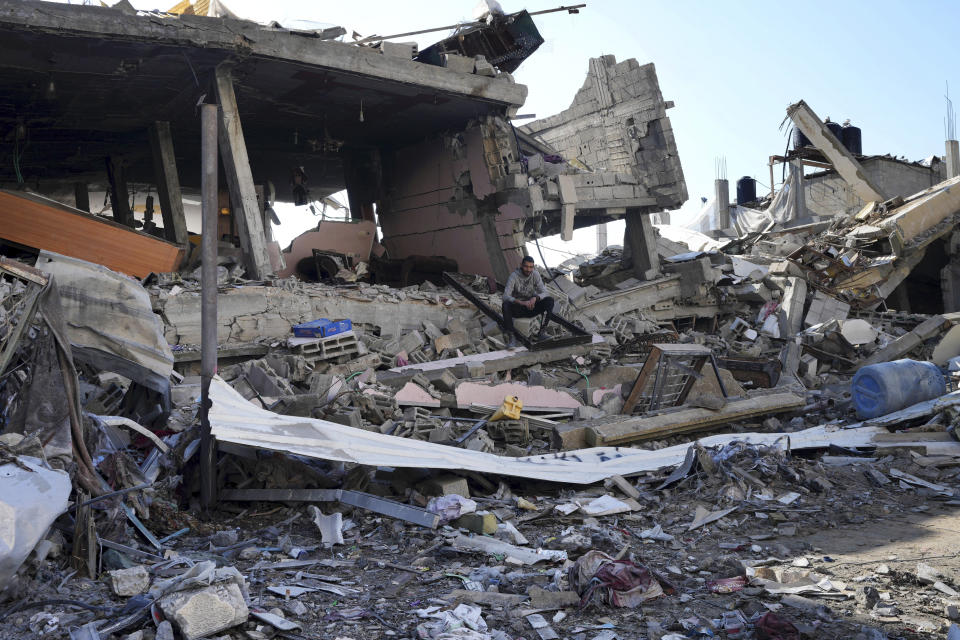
{"x": 722, "y": 190}
{"x": 601, "y": 237}
{"x": 640, "y": 237}
{"x": 665, "y": 217}
{"x": 796, "y": 184}
{"x": 950, "y": 274}
{"x": 953, "y": 158}
{"x": 491, "y": 240}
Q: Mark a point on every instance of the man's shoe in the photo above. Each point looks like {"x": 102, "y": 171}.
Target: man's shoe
{"x": 513, "y": 344}
{"x": 542, "y": 334}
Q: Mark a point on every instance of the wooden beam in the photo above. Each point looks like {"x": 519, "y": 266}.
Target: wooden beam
{"x": 649, "y": 366}
{"x": 243, "y": 194}
{"x": 40, "y": 223}
{"x": 686, "y": 420}
{"x": 119, "y": 202}
{"x": 168, "y": 184}
{"x": 81, "y": 196}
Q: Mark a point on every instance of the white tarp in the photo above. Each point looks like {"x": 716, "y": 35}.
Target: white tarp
{"x": 749, "y": 220}
{"x": 706, "y": 218}
{"x": 695, "y": 240}
{"x": 30, "y": 500}
{"x": 782, "y": 209}
{"x": 234, "y": 419}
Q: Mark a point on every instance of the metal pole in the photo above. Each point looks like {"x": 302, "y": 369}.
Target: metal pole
{"x": 208, "y": 300}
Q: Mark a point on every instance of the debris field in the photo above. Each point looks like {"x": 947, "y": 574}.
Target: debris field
{"x": 402, "y": 425}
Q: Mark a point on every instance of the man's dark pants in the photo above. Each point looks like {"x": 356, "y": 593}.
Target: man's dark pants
{"x": 513, "y": 310}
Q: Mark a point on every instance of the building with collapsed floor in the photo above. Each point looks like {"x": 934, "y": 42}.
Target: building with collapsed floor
{"x": 422, "y": 142}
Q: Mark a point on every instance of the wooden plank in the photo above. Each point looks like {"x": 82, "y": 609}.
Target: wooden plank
{"x": 81, "y": 196}
{"x": 119, "y": 194}
{"x": 243, "y": 193}
{"x": 24, "y": 271}
{"x": 37, "y": 222}
{"x": 686, "y": 420}
{"x": 649, "y": 366}
{"x": 168, "y": 184}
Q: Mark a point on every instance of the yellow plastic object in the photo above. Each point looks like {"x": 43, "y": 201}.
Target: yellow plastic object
{"x": 510, "y": 410}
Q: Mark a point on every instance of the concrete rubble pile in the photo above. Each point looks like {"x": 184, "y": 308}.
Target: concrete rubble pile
{"x": 748, "y": 434}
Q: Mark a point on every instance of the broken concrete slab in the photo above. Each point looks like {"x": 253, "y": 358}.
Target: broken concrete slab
{"x": 841, "y": 159}
{"x": 909, "y": 341}
{"x": 200, "y": 613}
{"x": 130, "y": 582}
{"x": 823, "y": 308}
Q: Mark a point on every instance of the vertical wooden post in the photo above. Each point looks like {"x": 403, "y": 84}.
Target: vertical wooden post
{"x": 81, "y": 196}
{"x": 243, "y": 195}
{"x": 361, "y": 180}
{"x": 119, "y": 195}
{"x": 168, "y": 184}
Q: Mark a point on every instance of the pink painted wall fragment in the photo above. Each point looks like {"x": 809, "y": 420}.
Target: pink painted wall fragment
{"x": 352, "y": 238}
{"x": 535, "y": 397}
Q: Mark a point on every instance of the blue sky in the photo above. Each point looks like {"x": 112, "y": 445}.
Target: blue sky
{"x": 731, "y": 67}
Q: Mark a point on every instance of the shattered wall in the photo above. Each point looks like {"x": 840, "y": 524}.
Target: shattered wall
{"x": 618, "y": 122}
{"x": 442, "y": 196}
{"x": 248, "y": 314}
{"x": 468, "y": 195}
{"x": 827, "y": 194}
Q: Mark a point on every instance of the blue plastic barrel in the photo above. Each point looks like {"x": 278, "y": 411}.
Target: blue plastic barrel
{"x": 879, "y": 389}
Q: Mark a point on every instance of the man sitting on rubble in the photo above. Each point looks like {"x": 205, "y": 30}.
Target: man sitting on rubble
{"x": 525, "y": 297}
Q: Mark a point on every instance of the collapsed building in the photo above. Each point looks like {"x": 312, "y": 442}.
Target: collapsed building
{"x": 427, "y": 149}
{"x": 220, "y": 436}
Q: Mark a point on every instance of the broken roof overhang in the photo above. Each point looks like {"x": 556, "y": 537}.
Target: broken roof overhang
{"x": 842, "y": 160}
{"x": 506, "y": 42}
{"x": 87, "y": 81}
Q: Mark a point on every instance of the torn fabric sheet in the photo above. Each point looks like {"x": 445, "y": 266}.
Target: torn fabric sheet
{"x": 110, "y": 322}
{"x": 31, "y": 498}
{"x": 234, "y": 419}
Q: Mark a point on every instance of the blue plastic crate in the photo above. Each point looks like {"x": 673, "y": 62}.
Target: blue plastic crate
{"x": 321, "y": 328}
{"x": 337, "y": 326}
{"x": 312, "y": 329}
